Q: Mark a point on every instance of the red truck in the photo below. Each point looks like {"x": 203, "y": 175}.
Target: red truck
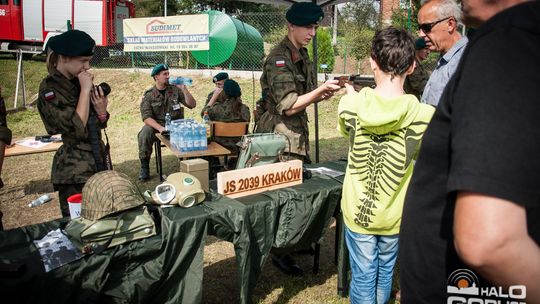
{"x": 28, "y": 24}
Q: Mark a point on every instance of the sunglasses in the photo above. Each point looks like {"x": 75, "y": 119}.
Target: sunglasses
{"x": 426, "y": 27}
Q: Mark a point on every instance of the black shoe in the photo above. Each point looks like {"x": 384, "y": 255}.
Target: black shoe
{"x": 144, "y": 174}
{"x": 287, "y": 265}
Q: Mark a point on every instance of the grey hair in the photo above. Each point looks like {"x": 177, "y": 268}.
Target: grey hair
{"x": 447, "y": 8}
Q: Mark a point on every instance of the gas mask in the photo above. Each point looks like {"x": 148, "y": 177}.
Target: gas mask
{"x": 180, "y": 189}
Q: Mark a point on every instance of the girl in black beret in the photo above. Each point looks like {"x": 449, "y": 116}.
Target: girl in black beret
{"x": 69, "y": 104}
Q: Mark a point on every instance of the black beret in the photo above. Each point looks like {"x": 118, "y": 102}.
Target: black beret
{"x": 304, "y": 13}
{"x": 220, "y": 76}
{"x": 420, "y": 44}
{"x": 72, "y": 43}
{"x": 158, "y": 68}
{"x": 231, "y": 88}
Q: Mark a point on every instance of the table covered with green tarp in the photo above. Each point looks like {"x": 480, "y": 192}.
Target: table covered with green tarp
{"x": 168, "y": 267}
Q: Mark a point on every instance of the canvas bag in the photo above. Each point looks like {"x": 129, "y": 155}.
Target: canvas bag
{"x": 261, "y": 149}
{"x": 96, "y": 236}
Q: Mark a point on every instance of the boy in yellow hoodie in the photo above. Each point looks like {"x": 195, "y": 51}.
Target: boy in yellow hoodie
{"x": 384, "y": 127}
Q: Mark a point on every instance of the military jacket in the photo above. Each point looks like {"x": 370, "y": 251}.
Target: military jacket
{"x": 155, "y": 105}
{"x": 287, "y": 74}
{"x": 220, "y": 99}
{"x": 223, "y": 111}
{"x": 416, "y": 82}
{"x": 5, "y": 133}
{"x": 74, "y": 161}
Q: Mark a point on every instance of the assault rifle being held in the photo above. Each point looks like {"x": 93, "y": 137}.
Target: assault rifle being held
{"x": 357, "y": 81}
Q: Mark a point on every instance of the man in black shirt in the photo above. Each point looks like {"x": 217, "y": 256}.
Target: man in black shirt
{"x": 470, "y": 228}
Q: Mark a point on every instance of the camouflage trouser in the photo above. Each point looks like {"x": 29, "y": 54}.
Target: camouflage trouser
{"x": 146, "y": 139}
{"x": 65, "y": 191}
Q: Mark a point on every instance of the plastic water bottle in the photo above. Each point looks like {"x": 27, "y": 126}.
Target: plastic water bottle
{"x": 182, "y": 137}
{"x": 168, "y": 121}
{"x": 202, "y": 136}
{"x": 207, "y": 126}
{"x": 197, "y": 138}
{"x": 190, "y": 139}
{"x": 180, "y": 81}
{"x": 40, "y": 200}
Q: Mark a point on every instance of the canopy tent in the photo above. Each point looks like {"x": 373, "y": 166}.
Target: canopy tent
{"x": 321, "y": 3}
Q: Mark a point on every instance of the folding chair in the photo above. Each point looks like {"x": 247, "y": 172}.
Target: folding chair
{"x": 229, "y": 129}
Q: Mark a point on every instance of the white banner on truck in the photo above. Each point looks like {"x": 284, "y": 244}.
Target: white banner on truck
{"x": 175, "y": 33}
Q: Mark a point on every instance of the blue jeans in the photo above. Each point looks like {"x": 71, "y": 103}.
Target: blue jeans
{"x": 372, "y": 259}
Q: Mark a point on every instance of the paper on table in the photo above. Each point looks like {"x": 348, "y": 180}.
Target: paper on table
{"x": 56, "y": 250}
{"x": 327, "y": 171}
{"x": 31, "y": 143}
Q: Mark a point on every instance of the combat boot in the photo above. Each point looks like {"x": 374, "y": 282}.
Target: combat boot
{"x": 145, "y": 169}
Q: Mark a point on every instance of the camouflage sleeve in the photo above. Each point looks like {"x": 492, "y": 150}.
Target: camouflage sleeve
{"x": 58, "y": 114}
{"x": 205, "y": 108}
{"x": 281, "y": 81}
{"x": 181, "y": 97}
{"x": 418, "y": 79}
{"x": 146, "y": 107}
{"x": 245, "y": 113}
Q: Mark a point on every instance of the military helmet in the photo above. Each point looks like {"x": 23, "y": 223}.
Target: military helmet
{"x": 108, "y": 192}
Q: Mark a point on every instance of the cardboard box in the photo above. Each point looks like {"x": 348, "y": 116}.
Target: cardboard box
{"x": 197, "y": 167}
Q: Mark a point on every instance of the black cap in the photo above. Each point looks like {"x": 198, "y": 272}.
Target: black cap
{"x": 231, "y": 88}
{"x": 304, "y": 13}
{"x": 72, "y": 43}
{"x": 220, "y": 76}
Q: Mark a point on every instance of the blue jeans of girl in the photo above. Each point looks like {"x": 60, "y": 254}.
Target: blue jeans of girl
{"x": 372, "y": 259}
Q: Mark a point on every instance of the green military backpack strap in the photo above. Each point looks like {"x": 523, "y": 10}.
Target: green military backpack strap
{"x": 261, "y": 149}
{"x": 95, "y": 236}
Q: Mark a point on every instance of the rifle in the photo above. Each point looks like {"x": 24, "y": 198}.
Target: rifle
{"x": 356, "y": 80}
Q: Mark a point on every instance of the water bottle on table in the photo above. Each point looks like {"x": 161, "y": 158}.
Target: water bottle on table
{"x": 168, "y": 121}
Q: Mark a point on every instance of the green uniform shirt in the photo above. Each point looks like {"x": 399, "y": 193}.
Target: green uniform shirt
{"x": 155, "y": 105}
{"x": 416, "y": 82}
{"x": 287, "y": 74}
{"x": 223, "y": 111}
{"x": 74, "y": 161}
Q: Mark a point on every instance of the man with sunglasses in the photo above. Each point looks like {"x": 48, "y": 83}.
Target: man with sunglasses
{"x": 470, "y": 231}
{"x": 438, "y": 24}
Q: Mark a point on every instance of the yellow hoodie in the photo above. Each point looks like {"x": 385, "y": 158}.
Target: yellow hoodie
{"x": 384, "y": 137}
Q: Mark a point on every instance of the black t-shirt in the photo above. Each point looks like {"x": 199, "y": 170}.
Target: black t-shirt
{"x": 485, "y": 138}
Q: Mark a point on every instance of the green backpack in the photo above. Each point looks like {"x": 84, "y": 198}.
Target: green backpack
{"x": 261, "y": 149}
{"x": 97, "y": 235}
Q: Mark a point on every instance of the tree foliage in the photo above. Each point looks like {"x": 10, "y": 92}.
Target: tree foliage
{"x": 325, "y": 51}
{"x": 358, "y": 23}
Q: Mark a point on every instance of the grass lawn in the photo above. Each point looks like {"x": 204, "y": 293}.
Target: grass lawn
{"x": 28, "y": 177}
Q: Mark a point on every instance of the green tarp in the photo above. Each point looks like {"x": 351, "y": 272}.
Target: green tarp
{"x": 167, "y": 268}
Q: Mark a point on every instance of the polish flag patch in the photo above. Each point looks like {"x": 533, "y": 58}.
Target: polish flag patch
{"x": 280, "y": 63}
{"x": 49, "y": 95}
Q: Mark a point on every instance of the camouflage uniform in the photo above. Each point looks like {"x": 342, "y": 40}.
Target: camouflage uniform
{"x": 287, "y": 74}
{"x": 223, "y": 111}
{"x": 155, "y": 105}
{"x": 220, "y": 99}
{"x": 416, "y": 82}
{"x": 75, "y": 161}
{"x": 5, "y": 133}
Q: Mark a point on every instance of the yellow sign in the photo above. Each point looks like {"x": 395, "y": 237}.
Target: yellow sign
{"x": 253, "y": 180}
{"x": 175, "y": 33}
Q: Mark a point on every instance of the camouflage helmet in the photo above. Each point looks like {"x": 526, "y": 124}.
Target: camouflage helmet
{"x": 108, "y": 192}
